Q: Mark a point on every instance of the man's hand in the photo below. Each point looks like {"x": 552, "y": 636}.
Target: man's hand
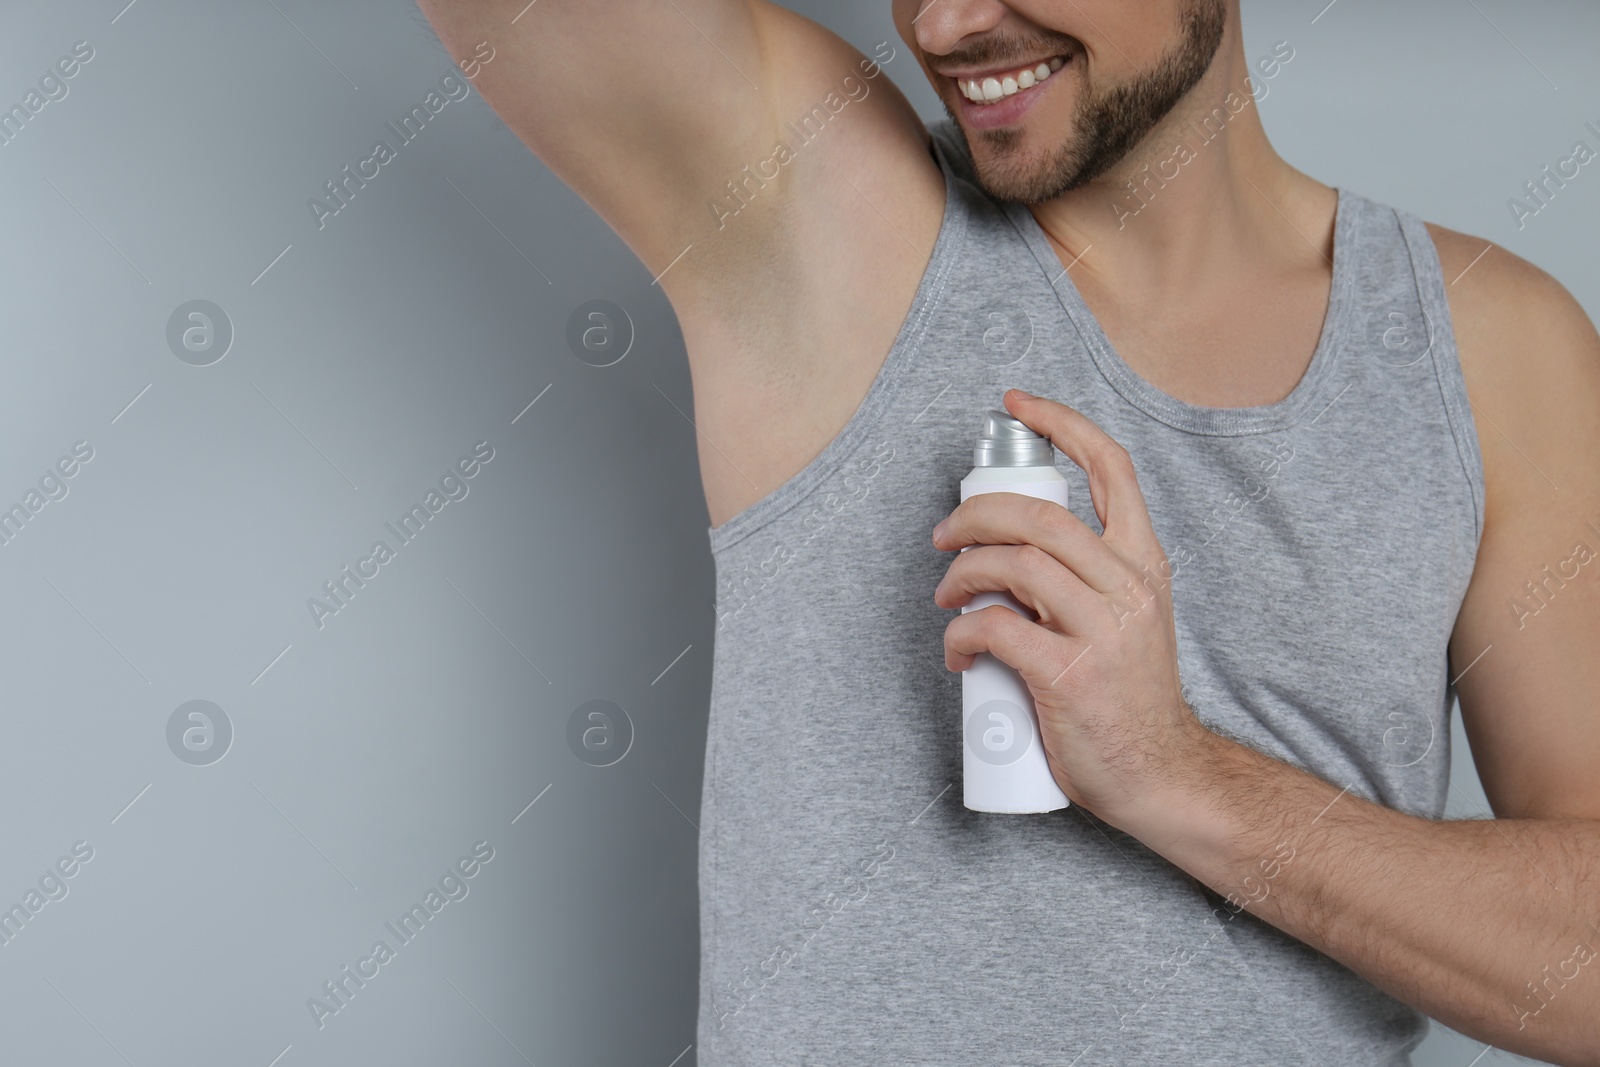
{"x": 1102, "y": 660}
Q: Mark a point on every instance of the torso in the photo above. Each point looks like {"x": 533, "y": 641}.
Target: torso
{"x": 823, "y": 617}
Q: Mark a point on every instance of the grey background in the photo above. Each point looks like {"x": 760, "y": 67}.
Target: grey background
{"x": 368, "y": 356}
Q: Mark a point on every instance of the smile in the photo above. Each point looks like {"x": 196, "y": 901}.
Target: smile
{"x": 988, "y": 88}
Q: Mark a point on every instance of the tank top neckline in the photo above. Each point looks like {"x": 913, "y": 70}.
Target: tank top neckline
{"x": 1305, "y": 402}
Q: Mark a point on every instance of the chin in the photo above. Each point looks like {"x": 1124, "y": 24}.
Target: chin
{"x": 1015, "y": 164}
{"x": 1026, "y": 160}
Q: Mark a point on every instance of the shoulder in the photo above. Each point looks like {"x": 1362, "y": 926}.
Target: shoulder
{"x": 1530, "y": 357}
{"x": 1520, "y": 335}
{"x": 1508, "y": 313}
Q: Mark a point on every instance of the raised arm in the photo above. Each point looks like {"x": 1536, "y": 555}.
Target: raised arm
{"x": 767, "y": 172}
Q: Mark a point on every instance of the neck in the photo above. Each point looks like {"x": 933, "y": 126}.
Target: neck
{"x": 1201, "y": 193}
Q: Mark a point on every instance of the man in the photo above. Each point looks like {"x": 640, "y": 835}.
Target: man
{"x": 1368, "y": 481}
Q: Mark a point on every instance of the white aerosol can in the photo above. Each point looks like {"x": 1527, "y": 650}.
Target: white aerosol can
{"x": 1003, "y": 762}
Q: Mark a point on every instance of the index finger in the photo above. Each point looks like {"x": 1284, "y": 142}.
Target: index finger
{"x": 1113, "y": 484}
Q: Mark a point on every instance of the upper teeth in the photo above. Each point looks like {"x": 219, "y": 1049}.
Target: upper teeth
{"x": 994, "y": 87}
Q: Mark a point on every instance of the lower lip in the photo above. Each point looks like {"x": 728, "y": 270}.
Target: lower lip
{"x": 1007, "y": 110}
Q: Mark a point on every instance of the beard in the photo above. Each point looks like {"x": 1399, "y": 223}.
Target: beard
{"x": 1108, "y": 123}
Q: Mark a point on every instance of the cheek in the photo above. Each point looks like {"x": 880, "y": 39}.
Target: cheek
{"x": 1122, "y": 39}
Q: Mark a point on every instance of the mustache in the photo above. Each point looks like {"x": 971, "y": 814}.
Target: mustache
{"x": 1002, "y": 50}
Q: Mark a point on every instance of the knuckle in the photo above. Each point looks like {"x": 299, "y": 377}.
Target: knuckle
{"x": 994, "y": 620}
{"x": 1034, "y": 561}
{"x": 1052, "y": 518}
{"x": 1109, "y": 453}
{"x": 959, "y": 633}
{"x": 971, "y": 565}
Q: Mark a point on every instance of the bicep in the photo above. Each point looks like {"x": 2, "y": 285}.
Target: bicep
{"x": 1526, "y": 642}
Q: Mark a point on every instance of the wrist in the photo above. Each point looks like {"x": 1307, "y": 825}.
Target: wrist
{"x": 1179, "y": 815}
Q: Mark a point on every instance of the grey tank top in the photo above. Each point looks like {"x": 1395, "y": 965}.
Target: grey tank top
{"x": 852, "y": 910}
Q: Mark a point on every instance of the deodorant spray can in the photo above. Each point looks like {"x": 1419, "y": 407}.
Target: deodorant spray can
{"x": 1003, "y": 763}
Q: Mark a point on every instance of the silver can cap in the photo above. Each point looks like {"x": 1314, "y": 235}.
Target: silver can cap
{"x": 1005, "y": 441}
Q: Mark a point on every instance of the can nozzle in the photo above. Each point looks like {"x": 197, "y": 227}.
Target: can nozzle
{"x": 1005, "y": 441}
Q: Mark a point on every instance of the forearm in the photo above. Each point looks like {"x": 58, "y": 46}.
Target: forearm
{"x": 1491, "y": 926}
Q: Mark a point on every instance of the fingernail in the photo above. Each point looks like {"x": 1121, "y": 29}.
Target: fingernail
{"x": 937, "y": 530}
